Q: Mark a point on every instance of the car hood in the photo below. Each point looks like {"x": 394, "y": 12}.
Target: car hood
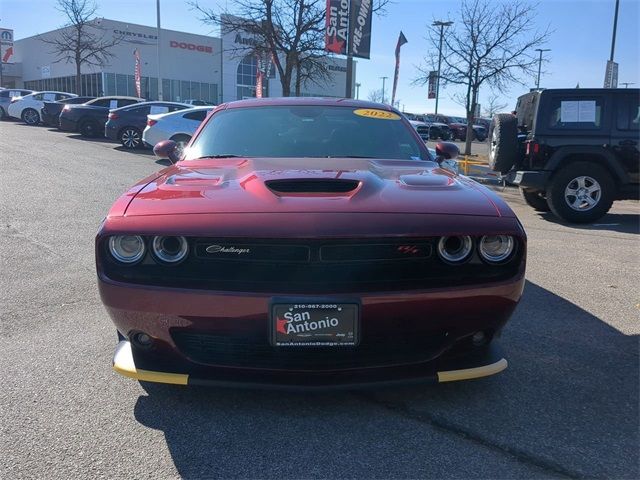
{"x": 336, "y": 185}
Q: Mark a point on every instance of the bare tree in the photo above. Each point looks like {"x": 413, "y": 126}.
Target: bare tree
{"x": 290, "y": 32}
{"x": 491, "y": 44}
{"x": 81, "y": 42}
{"x": 375, "y": 95}
{"x": 494, "y": 106}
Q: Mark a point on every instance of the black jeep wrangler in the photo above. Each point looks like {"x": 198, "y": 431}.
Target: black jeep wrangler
{"x": 571, "y": 151}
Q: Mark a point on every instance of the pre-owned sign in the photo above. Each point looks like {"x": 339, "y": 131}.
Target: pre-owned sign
{"x": 360, "y": 28}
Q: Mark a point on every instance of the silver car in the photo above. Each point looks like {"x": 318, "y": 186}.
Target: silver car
{"x": 177, "y": 126}
{"x": 7, "y": 95}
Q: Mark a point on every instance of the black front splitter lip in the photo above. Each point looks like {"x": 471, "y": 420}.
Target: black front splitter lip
{"x": 478, "y": 364}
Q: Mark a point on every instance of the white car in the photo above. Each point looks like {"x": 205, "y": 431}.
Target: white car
{"x": 177, "y": 126}
{"x": 28, "y": 107}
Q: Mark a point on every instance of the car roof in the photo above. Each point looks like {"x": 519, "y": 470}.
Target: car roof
{"x": 51, "y": 91}
{"x": 118, "y": 97}
{"x": 308, "y": 101}
{"x": 154, "y": 102}
{"x": 158, "y": 116}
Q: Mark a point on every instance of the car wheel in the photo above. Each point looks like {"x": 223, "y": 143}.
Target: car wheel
{"x": 131, "y": 138}
{"x": 30, "y": 116}
{"x": 535, "y": 199}
{"x": 181, "y": 141}
{"x": 88, "y": 128}
{"x": 581, "y": 192}
{"x": 503, "y": 145}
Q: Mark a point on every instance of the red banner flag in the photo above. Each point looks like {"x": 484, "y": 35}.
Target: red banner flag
{"x": 137, "y": 73}
{"x": 336, "y": 26}
{"x": 401, "y": 41}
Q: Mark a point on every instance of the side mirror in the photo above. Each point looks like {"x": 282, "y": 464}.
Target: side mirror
{"x": 446, "y": 151}
{"x": 167, "y": 149}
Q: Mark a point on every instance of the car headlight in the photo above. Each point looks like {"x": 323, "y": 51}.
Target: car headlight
{"x": 455, "y": 249}
{"x": 496, "y": 248}
{"x": 127, "y": 248}
{"x": 169, "y": 249}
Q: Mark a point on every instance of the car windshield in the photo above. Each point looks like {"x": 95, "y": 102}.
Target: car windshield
{"x": 307, "y": 131}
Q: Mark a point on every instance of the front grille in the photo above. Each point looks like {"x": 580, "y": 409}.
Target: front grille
{"x": 256, "y": 352}
{"x": 311, "y": 266}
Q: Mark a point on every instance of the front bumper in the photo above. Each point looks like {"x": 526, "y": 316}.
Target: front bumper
{"x": 440, "y": 321}
{"x": 481, "y": 363}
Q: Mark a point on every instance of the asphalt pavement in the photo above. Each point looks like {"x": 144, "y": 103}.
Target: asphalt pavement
{"x": 567, "y": 406}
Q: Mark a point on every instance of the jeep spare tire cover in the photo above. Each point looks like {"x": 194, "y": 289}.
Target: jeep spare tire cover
{"x": 503, "y": 142}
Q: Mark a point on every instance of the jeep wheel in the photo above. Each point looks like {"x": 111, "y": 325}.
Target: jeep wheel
{"x": 503, "y": 145}
{"x": 581, "y": 192}
{"x": 535, "y": 199}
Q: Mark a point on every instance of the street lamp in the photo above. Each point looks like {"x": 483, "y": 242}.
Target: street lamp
{"x": 160, "y": 93}
{"x": 357, "y": 91}
{"x": 383, "y": 80}
{"x": 441, "y": 24}
{"x": 540, "y": 64}
{"x": 626, "y": 84}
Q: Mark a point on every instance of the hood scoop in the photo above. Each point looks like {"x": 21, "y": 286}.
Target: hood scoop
{"x": 316, "y": 186}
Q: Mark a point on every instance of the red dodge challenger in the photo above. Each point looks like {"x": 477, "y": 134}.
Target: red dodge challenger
{"x": 308, "y": 243}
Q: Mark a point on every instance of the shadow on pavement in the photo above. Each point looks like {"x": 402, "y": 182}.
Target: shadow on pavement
{"x": 77, "y": 136}
{"x": 616, "y": 222}
{"x": 137, "y": 151}
{"x": 566, "y": 406}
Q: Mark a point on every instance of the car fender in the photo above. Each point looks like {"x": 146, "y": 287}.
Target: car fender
{"x": 609, "y": 159}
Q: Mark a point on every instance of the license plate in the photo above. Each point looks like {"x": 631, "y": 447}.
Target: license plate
{"x": 309, "y": 324}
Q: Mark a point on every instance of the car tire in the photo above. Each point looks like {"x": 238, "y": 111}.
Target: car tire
{"x": 182, "y": 141}
{"x": 503, "y": 142}
{"x": 535, "y": 199}
{"x": 88, "y": 128}
{"x": 130, "y": 138}
{"x": 30, "y": 116}
{"x": 581, "y": 192}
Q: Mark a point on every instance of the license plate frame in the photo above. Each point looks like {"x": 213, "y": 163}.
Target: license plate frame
{"x": 319, "y": 323}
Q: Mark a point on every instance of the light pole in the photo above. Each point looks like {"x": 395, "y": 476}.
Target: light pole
{"x": 626, "y": 84}
{"x": 441, "y": 24}
{"x": 541, "y": 50}
{"x": 615, "y": 27}
{"x": 158, "y": 49}
{"x": 357, "y": 91}
{"x": 384, "y": 79}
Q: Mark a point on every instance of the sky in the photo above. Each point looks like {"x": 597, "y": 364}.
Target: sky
{"x": 580, "y": 43}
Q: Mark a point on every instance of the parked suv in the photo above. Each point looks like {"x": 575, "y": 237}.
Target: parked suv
{"x": 571, "y": 151}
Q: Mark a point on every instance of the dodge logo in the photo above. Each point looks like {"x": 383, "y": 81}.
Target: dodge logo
{"x": 191, "y": 46}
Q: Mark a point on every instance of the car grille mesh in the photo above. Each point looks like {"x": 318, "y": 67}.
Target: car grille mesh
{"x": 311, "y": 266}
{"x": 392, "y": 348}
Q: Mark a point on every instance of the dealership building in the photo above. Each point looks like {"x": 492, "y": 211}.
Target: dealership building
{"x": 214, "y": 69}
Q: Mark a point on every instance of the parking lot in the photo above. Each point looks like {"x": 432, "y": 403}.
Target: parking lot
{"x": 567, "y": 406}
